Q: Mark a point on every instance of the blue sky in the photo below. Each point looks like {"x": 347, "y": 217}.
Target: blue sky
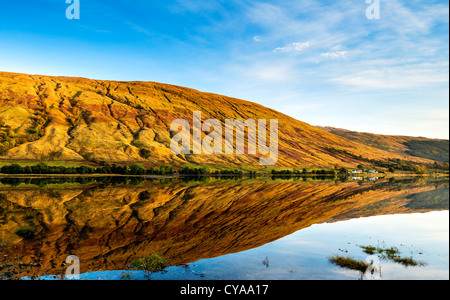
{"x": 322, "y": 62}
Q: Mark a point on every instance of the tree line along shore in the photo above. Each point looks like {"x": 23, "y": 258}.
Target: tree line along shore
{"x": 42, "y": 168}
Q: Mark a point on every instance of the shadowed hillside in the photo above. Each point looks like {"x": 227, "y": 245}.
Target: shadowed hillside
{"x": 76, "y": 119}
{"x": 433, "y": 149}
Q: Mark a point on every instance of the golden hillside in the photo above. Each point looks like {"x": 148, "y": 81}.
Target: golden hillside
{"x": 59, "y": 118}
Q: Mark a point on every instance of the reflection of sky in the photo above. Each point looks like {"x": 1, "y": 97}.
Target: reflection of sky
{"x": 425, "y": 237}
{"x": 303, "y": 255}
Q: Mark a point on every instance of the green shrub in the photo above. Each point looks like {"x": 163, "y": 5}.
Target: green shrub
{"x": 145, "y": 153}
{"x": 27, "y": 233}
{"x": 150, "y": 264}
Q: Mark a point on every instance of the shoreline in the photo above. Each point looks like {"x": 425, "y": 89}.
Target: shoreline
{"x": 246, "y": 175}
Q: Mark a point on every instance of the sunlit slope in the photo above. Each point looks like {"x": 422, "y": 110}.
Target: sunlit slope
{"x": 61, "y": 118}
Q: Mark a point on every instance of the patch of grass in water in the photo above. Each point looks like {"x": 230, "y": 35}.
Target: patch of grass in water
{"x": 408, "y": 262}
{"x": 392, "y": 254}
{"x": 371, "y": 250}
{"x": 349, "y": 263}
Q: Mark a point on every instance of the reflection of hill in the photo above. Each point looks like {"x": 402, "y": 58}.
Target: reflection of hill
{"x": 435, "y": 199}
{"x": 110, "y": 226}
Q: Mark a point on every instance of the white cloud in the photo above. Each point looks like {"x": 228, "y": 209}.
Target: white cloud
{"x": 300, "y": 52}
{"x": 334, "y": 54}
{"x": 292, "y": 48}
{"x": 405, "y": 19}
{"x": 398, "y": 77}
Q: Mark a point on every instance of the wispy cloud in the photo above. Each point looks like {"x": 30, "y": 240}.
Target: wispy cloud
{"x": 399, "y": 77}
{"x": 196, "y": 6}
{"x": 413, "y": 17}
{"x": 138, "y": 28}
{"x": 334, "y": 54}
{"x": 292, "y": 48}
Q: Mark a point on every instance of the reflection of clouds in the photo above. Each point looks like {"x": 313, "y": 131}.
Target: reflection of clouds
{"x": 433, "y": 226}
{"x": 343, "y": 273}
{"x": 424, "y": 236}
{"x": 304, "y": 243}
{"x": 437, "y": 236}
{"x": 396, "y": 271}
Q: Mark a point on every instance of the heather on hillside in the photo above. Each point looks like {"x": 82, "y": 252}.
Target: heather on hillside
{"x": 45, "y": 118}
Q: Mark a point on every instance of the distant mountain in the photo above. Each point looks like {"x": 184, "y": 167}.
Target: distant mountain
{"x": 434, "y": 149}
{"x": 61, "y": 118}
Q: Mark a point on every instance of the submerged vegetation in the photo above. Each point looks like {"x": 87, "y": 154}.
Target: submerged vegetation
{"x": 370, "y": 266}
{"x": 392, "y": 254}
{"x": 349, "y": 263}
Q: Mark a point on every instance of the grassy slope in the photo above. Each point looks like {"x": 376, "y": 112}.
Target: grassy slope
{"x": 76, "y": 119}
{"x": 433, "y": 149}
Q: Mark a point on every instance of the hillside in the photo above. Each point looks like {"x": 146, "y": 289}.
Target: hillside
{"x": 433, "y": 149}
{"x": 45, "y": 118}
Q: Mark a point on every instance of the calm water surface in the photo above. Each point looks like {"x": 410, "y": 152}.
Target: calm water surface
{"x": 226, "y": 229}
{"x": 304, "y": 254}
